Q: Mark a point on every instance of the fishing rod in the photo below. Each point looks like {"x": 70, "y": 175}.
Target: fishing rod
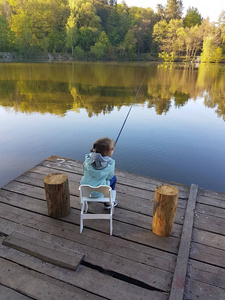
{"x": 130, "y": 109}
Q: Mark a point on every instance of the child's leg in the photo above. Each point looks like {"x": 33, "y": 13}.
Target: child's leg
{"x": 113, "y": 182}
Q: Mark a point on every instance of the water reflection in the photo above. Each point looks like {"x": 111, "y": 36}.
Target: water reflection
{"x": 99, "y": 88}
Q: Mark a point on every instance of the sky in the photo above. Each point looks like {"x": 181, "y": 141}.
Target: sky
{"x": 207, "y": 8}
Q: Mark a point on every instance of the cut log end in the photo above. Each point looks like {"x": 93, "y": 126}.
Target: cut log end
{"x": 55, "y": 178}
{"x": 167, "y": 190}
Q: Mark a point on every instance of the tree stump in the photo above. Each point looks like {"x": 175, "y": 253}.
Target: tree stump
{"x": 164, "y": 210}
{"x": 57, "y": 194}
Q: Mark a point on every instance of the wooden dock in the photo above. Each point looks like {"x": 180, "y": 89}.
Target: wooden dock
{"x": 134, "y": 263}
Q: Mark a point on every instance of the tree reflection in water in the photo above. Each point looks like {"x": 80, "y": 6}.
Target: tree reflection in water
{"x": 99, "y": 88}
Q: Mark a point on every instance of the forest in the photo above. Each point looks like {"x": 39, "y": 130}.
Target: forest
{"x": 102, "y": 30}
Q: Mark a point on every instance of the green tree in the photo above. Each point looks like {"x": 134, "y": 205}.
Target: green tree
{"x": 79, "y": 53}
{"x": 143, "y": 21}
{"x": 5, "y": 10}
{"x": 39, "y": 23}
{"x": 82, "y": 25}
{"x": 112, "y": 28}
{"x": 189, "y": 41}
{"x": 6, "y": 36}
{"x": 124, "y": 19}
{"x": 173, "y": 9}
{"x": 160, "y": 12}
{"x": 221, "y": 23}
{"x": 101, "y": 47}
{"x": 72, "y": 33}
{"x": 72, "y": 37}
{"x": 87, "y": 37}
{"x": 192, "y": 17}
{"x": 166, "y": 35}
{"x": 128, "y": 47}
{"x": 211, "y": 53}
{"x": 99, "y": 50}
{"x": 84, "y": 13}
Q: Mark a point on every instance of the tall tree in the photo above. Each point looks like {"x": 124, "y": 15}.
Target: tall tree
{"x": 6, "y": 36}
{"x": 211, "y": 53}
{"x": 166, "y": 35}
{"x": 192, "y": 17}
{"x": 173, "y": 9}
{"x": 83, "y": 24}
{"x": 112, "y": 27}
{"x": 221, "y": 22}
{"x": 143, "y": 21}
{"x": 160, "y": 12}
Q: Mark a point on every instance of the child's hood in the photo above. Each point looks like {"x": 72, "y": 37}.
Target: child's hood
{"x": 98, "y": 161}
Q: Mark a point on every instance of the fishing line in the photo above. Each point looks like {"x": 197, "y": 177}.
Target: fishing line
{"x": 130, "y": 109}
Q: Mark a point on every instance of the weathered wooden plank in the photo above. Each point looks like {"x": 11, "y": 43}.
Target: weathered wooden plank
{"x": 9, "y": 294}
{"x": 212, "y": 194}
{"x": 35, "y": 205}
{"x": 206, "y": 273}
{"x": 25, "y": 189}
{"x": 202, "y": 291}
{"x": 19, "y": 186}
{"x": 64, "y": 164}
{"x": 208, "y": 238}
{"x": 141, "y": 220}
{"x": 211, "y": 201}
{"x": 209, "y": 223}
{"x": 210, "y": 210}
{"x": 121, "y": 229}
{"x": 159, "y": 279}
{"x": 120, "y": 247}
{"x": 208, "y": 254}
{"x": 57, "y": 255}
{"x": 71, "y": 163}
{"x": 128, "y": 202}
{"x": 37, "y": 175}
{"x": 123, "y": 177}
{"x": 178, "y": 284}
{"x": 136, "y": 252}
{"x": 36, "y": 285}
{"x": 88, "y": 279}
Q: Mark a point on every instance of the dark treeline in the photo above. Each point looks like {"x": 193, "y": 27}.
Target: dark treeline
{"x": 105, "y": 30}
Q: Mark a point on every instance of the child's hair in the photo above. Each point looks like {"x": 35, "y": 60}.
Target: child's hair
{"x": 102, "y": 145}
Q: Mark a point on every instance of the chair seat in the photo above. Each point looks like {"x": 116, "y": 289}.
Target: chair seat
{"x": 108, "y": 196}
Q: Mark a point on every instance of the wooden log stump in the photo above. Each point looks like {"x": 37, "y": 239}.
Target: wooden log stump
{"x": 164, "y": 210}
{"x": 57, "y": 194}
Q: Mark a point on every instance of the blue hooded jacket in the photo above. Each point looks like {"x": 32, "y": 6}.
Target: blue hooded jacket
{"x": 98, "y": 169}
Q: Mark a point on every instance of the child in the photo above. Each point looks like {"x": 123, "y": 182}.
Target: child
{"x": 99, "y": 166}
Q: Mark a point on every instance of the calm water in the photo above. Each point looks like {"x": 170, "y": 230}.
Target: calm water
{"x": 175, "y": 131}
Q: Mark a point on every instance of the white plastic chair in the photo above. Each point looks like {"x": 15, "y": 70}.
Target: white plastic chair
{"x": 108, "y": 195}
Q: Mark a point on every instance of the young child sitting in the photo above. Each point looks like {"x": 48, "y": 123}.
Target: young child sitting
{"x": 99, "y": 167}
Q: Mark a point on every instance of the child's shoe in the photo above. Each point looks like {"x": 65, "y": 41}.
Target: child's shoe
{"x": 108, "y": 206}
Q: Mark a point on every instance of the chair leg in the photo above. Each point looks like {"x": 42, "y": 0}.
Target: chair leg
{"x": 81, "y": 218}
{"x": 81, "y": 223}
{"x": 111, "y": 221}
{"x": 111, "y": 226}
{"x": 86, "y": 206}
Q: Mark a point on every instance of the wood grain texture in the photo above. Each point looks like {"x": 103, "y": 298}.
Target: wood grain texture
{"x": 164, "y": 210}
{"x": 57, "y": 194}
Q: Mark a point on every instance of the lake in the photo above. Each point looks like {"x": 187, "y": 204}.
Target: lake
{"x": 175, "y": 130}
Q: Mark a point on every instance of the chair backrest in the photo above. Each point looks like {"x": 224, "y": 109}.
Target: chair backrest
{"x": 87, "y": 190}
